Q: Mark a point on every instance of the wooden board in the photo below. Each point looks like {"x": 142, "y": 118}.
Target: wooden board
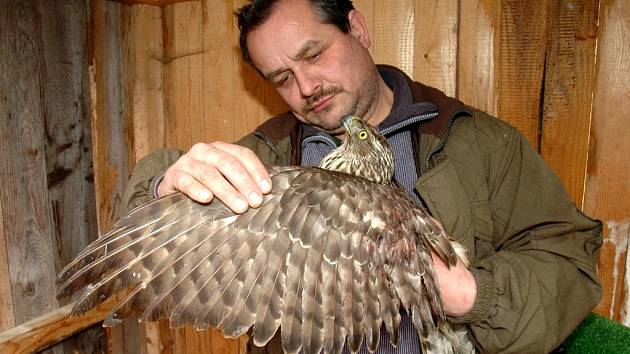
{"x": 393, "y": 34}
{"x": 435, "y": 62}
{"x": 183, "y": 74}
{"x": 68, "y": 142}
{"x": 7, "y": 317}
{"x": 24, "y": 197}
{"x": 110, "y": 135}
{"x": 607, "y": 181}
{"x": 568, "y": 91}
{"x": 46, "y": 330}
{"x": 521, "y": 60}
{"x": 143, "y": 53}
{"x": 478, "y": 47}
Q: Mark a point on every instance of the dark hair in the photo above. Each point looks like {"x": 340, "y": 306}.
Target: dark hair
{"x": 254, "y": 14}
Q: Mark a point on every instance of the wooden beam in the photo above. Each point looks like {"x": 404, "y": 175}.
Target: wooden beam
{"x": 607, "y": 187}
{"x": 568, "y": 91}
{"x": 435, "y": 44}
{"x": 46, "y": 330}
{"x": 7, "y": 317}
{"x": 477, "y": 48}
{"x": 160, "y": 3}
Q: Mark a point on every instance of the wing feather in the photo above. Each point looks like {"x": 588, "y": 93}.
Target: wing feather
{"x": 327, "y": 258}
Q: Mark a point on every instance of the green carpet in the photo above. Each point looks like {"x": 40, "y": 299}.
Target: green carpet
{"x": 597, "y": 334}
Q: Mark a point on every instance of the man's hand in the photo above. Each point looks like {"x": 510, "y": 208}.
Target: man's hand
{"x": 457, "y": 287}
{"x": 230, "y": 172}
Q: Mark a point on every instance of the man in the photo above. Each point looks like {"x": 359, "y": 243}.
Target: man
{"x": 532, "y": 278}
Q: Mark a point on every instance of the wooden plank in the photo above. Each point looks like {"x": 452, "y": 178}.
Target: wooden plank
{"x": 161, "y": 3}
{"x": 109, "y": 125}
{"x": 607, "y": 187}
{"x": 568, "y": 91}
{"x": 478, "y": 40}
{"x": 183, "y": 95}
{"x": 219, "y": 75}
{"x": 67, "y": 127}
{"x": 435, "y": 29}
{"x": 522, "y": 47}
{"x": 221, "y": 345}
{"x": 109, "y": 135}
{"x": 68, "y": 141}
{"x": 53, "y": 327}
{"x": 393, "y": 34}
{"x": 24, "y": 197}
{"x": 7, "y": 317}
{"x": 143, "y": 52}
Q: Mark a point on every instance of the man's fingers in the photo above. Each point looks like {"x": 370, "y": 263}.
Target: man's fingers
{"x": 184, "y": 182}
{"x": 250, "y": 162}
{"x": 232, "y": 173}
{"x": 216, "y": 182}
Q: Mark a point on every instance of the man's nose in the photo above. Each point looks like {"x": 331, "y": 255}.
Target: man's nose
{"x": 308, "y": 82}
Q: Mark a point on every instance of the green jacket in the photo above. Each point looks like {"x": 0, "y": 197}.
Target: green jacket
{"x": 533, "y": 252}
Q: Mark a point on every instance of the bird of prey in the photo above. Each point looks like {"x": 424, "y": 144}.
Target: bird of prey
{"x": 330, "y": 256}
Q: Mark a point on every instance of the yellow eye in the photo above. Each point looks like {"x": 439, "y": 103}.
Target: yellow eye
{"x": 362, "y": 135}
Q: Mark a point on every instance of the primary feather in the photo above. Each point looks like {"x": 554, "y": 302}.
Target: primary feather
{"x": 330, "y": 256}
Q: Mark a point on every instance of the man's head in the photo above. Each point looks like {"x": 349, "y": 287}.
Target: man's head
{"x": 315, "y": 53}
{"x": 255, "y": 13}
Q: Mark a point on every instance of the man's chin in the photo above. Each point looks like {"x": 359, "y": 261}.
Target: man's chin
{"x": 327, "y": 122}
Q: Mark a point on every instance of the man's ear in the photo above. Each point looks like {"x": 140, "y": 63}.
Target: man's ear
{"x": 358, "y": 28}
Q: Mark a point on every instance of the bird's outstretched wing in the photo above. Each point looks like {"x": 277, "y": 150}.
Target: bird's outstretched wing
{"x": 328, "y": 256}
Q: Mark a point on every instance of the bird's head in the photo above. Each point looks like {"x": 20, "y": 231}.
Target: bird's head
{"x": 364, "y": 153}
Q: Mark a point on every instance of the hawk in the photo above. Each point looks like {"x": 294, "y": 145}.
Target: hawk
{"x": 330, "y": 256}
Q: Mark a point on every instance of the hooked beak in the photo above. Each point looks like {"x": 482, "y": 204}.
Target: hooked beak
{"x": 347, "y": 122}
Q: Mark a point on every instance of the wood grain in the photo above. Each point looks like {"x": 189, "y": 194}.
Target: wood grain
{"x": 568, "y": 91}
{"x": 68, "y": 142}
{"x": 53, "y": 327}
{"x": 161, "y": 3}
{"x": 607, "y": 187}
{"x": 110, "y": 136}
{"x": 24, "y": 197}
{"x": 7, "y": 317}
{"x": 144, "y": 76}
{"x": 435, "y": 30}
{"x": 393, "y": 34}
{"x": 183, "y": 72}
{"x": 478, "y": 47}
{"x": 522, "y": 46}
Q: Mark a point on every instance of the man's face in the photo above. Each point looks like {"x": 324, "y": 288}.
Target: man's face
{"x": 322, "y": 73}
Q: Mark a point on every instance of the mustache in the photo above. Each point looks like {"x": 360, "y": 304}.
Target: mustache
{"x": 319, "y": 94}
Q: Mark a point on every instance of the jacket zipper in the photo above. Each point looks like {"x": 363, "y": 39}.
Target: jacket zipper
{"x": 447, "y": 134}
{"x": 409, "y": 121}
{"x": 267, "y": 142}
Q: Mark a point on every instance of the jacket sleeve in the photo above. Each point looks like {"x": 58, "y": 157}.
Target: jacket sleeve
{"x": 540, "y": 281}
{"x": 147, "y": 172}
{"x": 150, "y": 169}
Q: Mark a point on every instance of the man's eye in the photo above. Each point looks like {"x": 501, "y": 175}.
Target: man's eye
{"x": 314, "y": 56}
{"x": 285, "y": 80}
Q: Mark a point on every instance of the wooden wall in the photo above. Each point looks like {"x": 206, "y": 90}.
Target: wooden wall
{"x": 121, "y": 79}
{"x": 47, "y": 209}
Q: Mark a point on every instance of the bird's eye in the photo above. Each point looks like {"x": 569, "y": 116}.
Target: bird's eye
{"x": 362, "y": 135}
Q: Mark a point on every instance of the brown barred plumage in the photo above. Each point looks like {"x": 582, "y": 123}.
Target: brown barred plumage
{"x": 332, "y": 253}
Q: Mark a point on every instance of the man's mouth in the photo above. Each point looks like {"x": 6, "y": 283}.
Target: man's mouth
{"x": 323, "y": 104}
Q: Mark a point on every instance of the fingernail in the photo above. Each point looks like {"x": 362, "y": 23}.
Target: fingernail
{"x": 255, "y": 198}
{"x": 240, "y": 205}
{"x": 265, "y": 186}
{"x": 203, "y": 195}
